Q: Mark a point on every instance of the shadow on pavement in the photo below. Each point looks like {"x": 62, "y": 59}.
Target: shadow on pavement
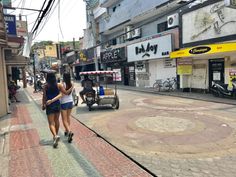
{"x": 45, "y": 142}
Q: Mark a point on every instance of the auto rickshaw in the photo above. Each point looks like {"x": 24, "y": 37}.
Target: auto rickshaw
{"x": 103, "y": 94}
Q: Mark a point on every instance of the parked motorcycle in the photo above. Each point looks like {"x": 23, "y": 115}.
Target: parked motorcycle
{"x": 221, "y": 90}
{"x": 30, "y": 80}
{"x": 39, "y": 85}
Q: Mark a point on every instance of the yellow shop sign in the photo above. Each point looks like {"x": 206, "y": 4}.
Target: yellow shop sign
{"x": 204, "y": 49}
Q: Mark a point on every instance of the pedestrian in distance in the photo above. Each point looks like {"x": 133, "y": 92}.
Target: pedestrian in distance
{"x": 52, "y": 92}
{"x": 66, "y": 106}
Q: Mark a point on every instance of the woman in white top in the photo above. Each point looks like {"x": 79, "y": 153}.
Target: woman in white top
{"x": 66, "y": 107}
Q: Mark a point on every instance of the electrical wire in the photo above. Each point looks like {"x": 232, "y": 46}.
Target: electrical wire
{"x": 46, "y": 20}
{"x": 67, "y": 8}
{"x": 22, "y": 6}
{"x": 59, "y": 19}
{"x": 42, "y": 13}
{"x": 39, "y": 15}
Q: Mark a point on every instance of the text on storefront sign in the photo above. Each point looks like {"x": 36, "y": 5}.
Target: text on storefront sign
{"x": 200, "y": 50}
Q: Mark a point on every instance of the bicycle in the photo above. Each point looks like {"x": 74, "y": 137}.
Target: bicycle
{"x": 170, "y": 84}
{"x": 167, "y": 85}
{"x": 158, "y": 84}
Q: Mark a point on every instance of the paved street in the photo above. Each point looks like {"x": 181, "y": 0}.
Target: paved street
{"x": 26, "y": 147}
{"x": 170, "y": 136}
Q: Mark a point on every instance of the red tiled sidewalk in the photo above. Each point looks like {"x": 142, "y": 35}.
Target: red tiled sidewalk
{"x": 107, "y": 160}
{"x": 20, "y": 115}
{"x": 27, "y": 157}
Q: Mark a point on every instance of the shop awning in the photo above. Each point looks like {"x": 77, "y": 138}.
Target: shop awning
{"x": 204, "y": 50}
{"x": 17, "y": 61}
{"x": 97, "y": 72}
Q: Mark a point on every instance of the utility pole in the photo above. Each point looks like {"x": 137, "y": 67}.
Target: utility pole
{"x": 33, "y": 57}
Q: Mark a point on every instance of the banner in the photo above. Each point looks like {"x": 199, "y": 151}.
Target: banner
{"x": 232, "y": 75}
{"x": 117, "y": 76}
{"x": 184, "y": 67}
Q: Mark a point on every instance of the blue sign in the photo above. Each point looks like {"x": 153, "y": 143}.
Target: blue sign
{"x": 10, "y": 21}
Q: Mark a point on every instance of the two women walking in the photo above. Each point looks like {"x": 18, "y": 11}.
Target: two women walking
{"x": 52, "y": 92}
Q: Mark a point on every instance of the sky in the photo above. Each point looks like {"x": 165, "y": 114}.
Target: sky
{"x": 72, "y": 19}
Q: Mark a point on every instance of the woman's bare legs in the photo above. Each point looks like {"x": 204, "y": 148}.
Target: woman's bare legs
{"x": 53, "y": 121}
{"x": 51, "y": 124}
{"x": 57, "y": 122}
{"x": 65, "y": 120}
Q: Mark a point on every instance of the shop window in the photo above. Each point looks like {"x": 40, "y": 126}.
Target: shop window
{"x": 162, "y": 27}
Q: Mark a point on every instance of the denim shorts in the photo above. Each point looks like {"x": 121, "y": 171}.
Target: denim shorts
{"x": 66, "y": 106}
{"x": 53, "y": 108}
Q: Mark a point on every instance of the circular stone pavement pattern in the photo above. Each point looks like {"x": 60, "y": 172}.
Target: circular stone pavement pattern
{"x": 164, "y": 124}
{"x": 165, "y": 132}
{"x": 177, "y": 104}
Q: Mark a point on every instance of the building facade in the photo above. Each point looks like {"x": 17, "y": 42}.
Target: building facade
{"x": 208, "y": 46}
{"x": 147, "y": 36}
{"x": 3, "y": 77}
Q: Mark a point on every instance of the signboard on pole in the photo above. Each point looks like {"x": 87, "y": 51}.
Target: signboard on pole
{"x": 10, "y": 24}
{"x": 21, "y": 28}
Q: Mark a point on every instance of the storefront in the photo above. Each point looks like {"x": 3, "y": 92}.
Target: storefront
{"x": 207, "y": 46}
{"x": 151, "y": 58}
{"x": 115, "y": 59}
{"x": 199, "y": 66}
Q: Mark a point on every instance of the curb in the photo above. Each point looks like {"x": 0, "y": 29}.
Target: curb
{"x": 178, "y": 96}
{"x": 130, "y": 158}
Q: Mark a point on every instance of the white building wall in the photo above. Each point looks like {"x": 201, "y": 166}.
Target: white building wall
{"x": 200, "y": 77}
{"x": 158, "y": 71}
{"x": 119, "y": 12}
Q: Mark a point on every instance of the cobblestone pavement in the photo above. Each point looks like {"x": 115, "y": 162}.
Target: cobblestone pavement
{"x": 171, "y": 136}
{"x": 30, "y": 152}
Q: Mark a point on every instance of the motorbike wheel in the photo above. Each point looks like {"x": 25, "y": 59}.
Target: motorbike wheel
{"x": 90, "y": 107}
{"x": 220, "y": 94}
{"x": 116, "y": 105}
{"x": 216, "y": 94}
{"x": 76, "y": 100}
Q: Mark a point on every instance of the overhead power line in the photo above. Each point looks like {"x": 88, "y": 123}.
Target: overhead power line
{"x": 44, "y": 13}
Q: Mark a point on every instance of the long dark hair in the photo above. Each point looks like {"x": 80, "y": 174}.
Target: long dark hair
{"x": 67, "y": 80}
{"x": 51, "y": 80}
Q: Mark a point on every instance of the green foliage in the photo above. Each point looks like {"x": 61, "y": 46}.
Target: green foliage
{"x": 70, "y": 43}
{"x": 41, "y": 44}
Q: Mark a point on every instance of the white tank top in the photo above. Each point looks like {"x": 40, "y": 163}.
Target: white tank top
{"x": 66, "y": 98}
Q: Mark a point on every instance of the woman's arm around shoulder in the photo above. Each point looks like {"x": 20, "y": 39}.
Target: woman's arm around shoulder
{"x": 44, "y": 97}
{"x": 63, "y": 90}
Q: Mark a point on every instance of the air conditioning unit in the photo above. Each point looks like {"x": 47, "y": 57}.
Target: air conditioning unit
{"x": 136, "y": 33}
{"x": 128, "y": 32}
{"x": 173, "y": 20}
{"x": 230, "y": 3}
